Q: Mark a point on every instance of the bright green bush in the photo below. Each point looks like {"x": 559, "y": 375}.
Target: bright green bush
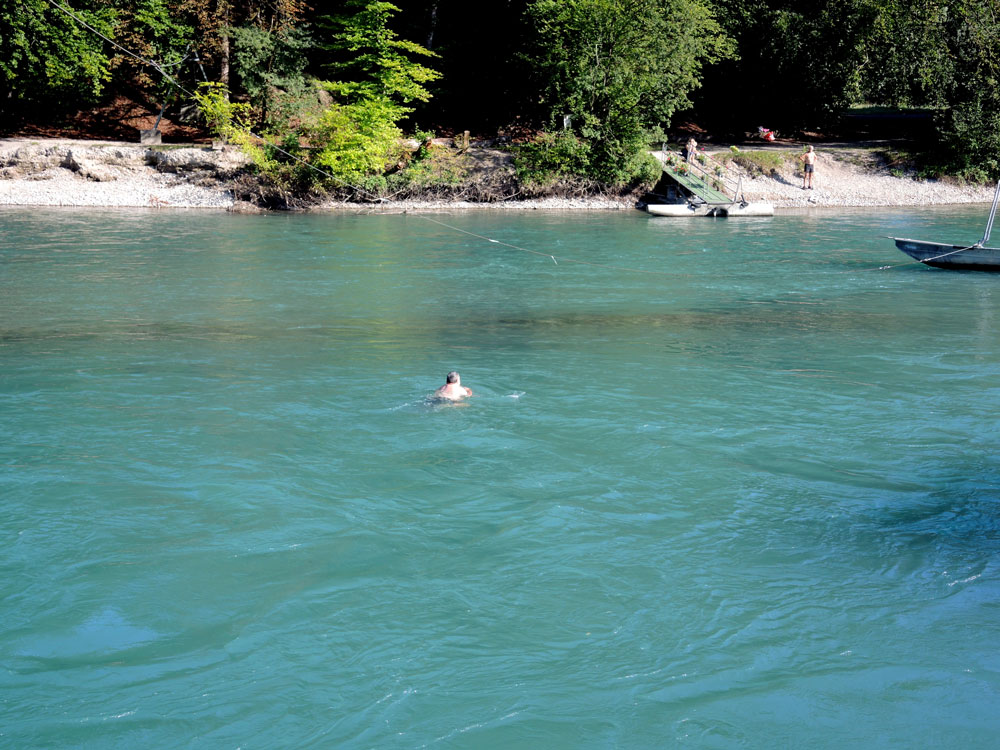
{"x": 551, "y": 156}
{"x": 232, "y": 122}
{"x": 358, "y": 139}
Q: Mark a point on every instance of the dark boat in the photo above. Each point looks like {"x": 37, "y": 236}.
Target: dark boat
{"x": 977, "y": 257}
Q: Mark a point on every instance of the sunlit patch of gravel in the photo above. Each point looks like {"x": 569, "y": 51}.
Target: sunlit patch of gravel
{"x": 842, "y": 182}
{"x": 135, "y": 190}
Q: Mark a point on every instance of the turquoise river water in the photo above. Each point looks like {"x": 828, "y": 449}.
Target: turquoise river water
{"x": 730, "y": 485}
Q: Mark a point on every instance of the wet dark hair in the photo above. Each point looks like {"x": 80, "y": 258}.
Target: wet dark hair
{"x": 452, "y": 377}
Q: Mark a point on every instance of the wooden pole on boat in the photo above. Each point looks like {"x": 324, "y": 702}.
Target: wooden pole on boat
{"x": 993, "y": 213}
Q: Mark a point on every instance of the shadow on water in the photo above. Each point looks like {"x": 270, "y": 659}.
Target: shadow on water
{"x": 775, "y": 315}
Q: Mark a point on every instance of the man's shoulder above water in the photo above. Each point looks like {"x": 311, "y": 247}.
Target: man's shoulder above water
{"x": 453, "y": 392}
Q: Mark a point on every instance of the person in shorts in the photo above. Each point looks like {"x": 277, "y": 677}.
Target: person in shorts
{"x": 809, "y": 168}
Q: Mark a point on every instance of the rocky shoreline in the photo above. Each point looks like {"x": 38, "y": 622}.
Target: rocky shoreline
{"x": 109, "y": 174}
{"x": 89, "y": 173}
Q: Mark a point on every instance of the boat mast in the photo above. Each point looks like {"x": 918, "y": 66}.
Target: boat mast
{"x": 993, "y": 213}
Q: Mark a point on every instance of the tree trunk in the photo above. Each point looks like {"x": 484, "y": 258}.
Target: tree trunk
{"x": 224, "y": 45}
{"x": 432, "y": 27}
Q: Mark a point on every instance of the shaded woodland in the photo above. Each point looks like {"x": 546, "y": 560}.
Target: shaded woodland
{"x": 584, "y": 86}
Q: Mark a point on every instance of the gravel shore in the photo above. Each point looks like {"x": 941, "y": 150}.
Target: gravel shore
{"x": 97, "y": 173}
{"x": 89, "y": 173}
{"x": 155, "y": 191}
{"x": 853, "y": 177}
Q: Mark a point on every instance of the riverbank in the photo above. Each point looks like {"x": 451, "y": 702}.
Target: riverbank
{"x": 849, "y": 176}
{"x": 113, "y": 174}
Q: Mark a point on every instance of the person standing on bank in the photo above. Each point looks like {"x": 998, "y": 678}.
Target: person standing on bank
{"x": 453, "y": 390}
{"x": 690, "y": 149}
{"x": 809, "y": 167}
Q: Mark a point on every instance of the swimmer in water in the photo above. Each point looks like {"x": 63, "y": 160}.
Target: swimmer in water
{"x": 453, "y": 390}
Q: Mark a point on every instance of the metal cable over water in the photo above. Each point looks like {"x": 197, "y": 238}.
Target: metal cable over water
{"x": 544, "y": 255}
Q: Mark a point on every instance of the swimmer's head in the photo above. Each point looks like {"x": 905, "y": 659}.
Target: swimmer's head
{"x": 452, "y": 377}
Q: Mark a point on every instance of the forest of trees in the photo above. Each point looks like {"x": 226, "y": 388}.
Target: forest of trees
{"x": 588, "y": 84}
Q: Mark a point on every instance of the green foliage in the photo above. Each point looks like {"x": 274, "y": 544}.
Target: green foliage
{"x": 372, "y": 61}
{"x": 166, "y": 35}
{"x": 358, "y": 139}
{"x": 232, "y": 122}
{"x": 358, "y": 135}
{"x": 47, "y": 56}
{"x": 944, "y": 55}
{"x": 551, "y": 156}
{"x": 906, "y": 57}
{"x": 355, "y": 138}
{"x": 432, "y": 167}
{"x": 800, "y": 63}
{"x": 225, "y": 118}
{"x": 645, "y": 169}
{"x": 971, "y": 125}
{"x": 271, "y": 68}
{"x": 166, "y": 40}
{"x": 156, "y": 30}
{"x": 619, "y": 68}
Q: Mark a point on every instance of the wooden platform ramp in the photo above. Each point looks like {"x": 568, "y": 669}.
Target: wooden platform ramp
{"x": 711, "y": 187}
{"x": 709, "y": 190}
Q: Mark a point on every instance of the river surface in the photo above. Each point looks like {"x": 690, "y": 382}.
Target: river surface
{"x": 722, "y": 484}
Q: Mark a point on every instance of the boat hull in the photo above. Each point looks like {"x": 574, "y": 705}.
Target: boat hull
{"x": 704, "y": 209}
{"x": 678, "y": 209}
{"x": 943, "y": 255}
